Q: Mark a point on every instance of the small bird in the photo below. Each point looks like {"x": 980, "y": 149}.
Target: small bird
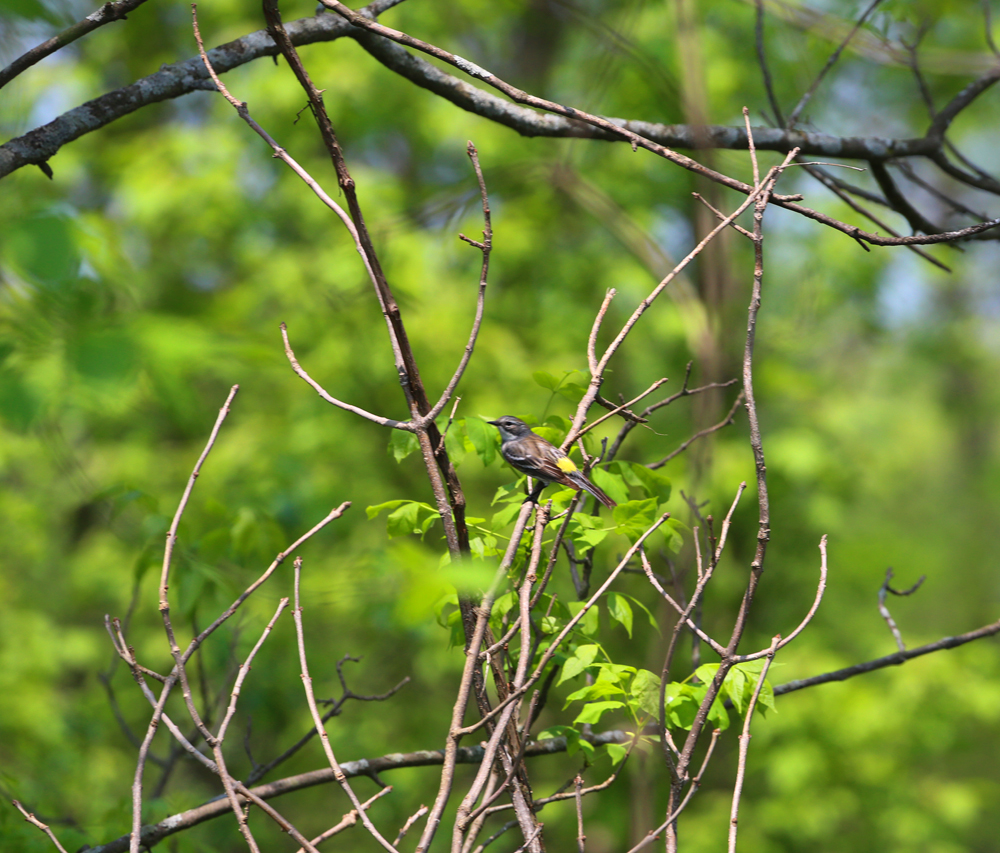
{"x": 533, "y": 455}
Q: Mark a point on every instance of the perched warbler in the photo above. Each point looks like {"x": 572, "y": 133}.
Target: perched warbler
{"x": 533, "y": 455}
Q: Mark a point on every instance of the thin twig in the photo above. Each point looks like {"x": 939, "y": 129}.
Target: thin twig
{"x": 349, "y": 820}
{"x": 726, "y": 421}
{"x": 820, "y": 589}
{"x": 115, "y": 10}
{"x": 407, "y": 426}
{"x": 44, "y": 827}
{"x": 830, "y": 62}
{"x": 882, "y": 592}
{"x": 581, "y": 838}
{"x": 485, "y": 247}
{"x": 741, "y": 765}
{"x": 894, "y": 659}
{"x": 318, "y": 722}
{"x": 695, "y": 784}
{"x": 412, "y": 819}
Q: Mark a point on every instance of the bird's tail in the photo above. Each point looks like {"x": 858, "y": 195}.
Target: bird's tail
{"x": 584, "y": 483}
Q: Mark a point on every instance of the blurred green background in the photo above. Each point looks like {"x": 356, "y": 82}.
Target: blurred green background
{"x": 151, "y": 275}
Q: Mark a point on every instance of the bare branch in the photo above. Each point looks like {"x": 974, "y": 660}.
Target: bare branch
{"x": 318, "y": 722}
{"x": 894, "y": 659}
{"x": 349, "y": 820}
{"x": 820, "y": 589}
{"x": 830, "y": 62}
{"x": 692, "y": 789}
{"x": 741, "y": 766}
{"x": 486, "y": 246}
{"x": 301, "y": 373}
{"x": 726, "y": 421}
{"x": 34, "y": 821}
{"x": 172, "y": 532}
{"x": 114, "y": 10}
{"x": 412, "y": 819}
{"x": 883, "y": 591}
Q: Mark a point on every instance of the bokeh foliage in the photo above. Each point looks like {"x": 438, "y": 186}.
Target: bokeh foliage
{"x": 151, "y": 274}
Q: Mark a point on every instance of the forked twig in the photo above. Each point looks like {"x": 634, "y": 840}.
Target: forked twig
{"x": 741, "y": 766}
{"x": 318, "y": 722}
{"x": 882, "y": 592}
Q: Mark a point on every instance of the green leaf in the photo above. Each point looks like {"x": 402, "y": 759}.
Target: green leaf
{"x": 616, "y": 752}
{"x": 484, "y": 438}
{"x": 444, "y": 607}
{"x": 645, "y": 691}
{"x": 590, "y": 623}
{"x": 402, "y": 444}
{"x": 480, "y": 546}
{"x": 406, "y": 517}
{"x": 454, "y": 442}
{"x": 671, "y": 532}
{"x": 597, "y": 690}
{"x": 683, "y": 701}
{"x": 505, "y": 516}
{"x": 655, "y": 483}
{"x": 580, "y": 660}
{"x": 546, "y": 380}
{"x": 616, "y": 673}
{"x": 735, "y": 688}
{"x": 572, "y": 391}
{"x": 634, "y": 518}
{"x": 643, "y": 608}
{"x": 586, "y": 531}
{"x": 593, "y": 711}
{"x": 375, "y": 509}
{"x": 620, "y": 610}
{"x": 613, "y": 485}
{"x": 572, "y": 737}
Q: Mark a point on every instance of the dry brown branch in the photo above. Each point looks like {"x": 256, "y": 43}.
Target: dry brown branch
{"x": 407, "y": 426}
{"x": 318, "y": 722}
{"x": 185, "y": 497}
{"x": 448, "y": 494}
{"x": 882, "y": 592}
{"x": 486, "y": 246}
{"x": 894, "y": 659}
{"x": 830, "y": 62}
{"x": 412, "y": 819}
{"x": 34, "y": 821}
{"x": 726, "y": 421}
{"x": 455, "y": 730}
{"x": 820, "y": 589}
{"x": 653, "y": 834}
{"x": 260, "y": 771}
{"x": 153, "y": 834}
{"x": 113, "y": 10}
{"x": 598, "y": 369}
{"x": 741, "y": 765}
{"x": 643, "y": 135}
{"x": 241, "y": 817}
{"x": 349, "y": 820}
{"x": 846, "y": 192}
{"x": 679, "y": 769}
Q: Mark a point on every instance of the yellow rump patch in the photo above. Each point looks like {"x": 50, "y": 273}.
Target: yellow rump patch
{"x": 566, "y": 464}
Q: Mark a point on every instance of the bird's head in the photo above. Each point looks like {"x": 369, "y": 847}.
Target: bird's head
{"x": 510, "y": 427}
